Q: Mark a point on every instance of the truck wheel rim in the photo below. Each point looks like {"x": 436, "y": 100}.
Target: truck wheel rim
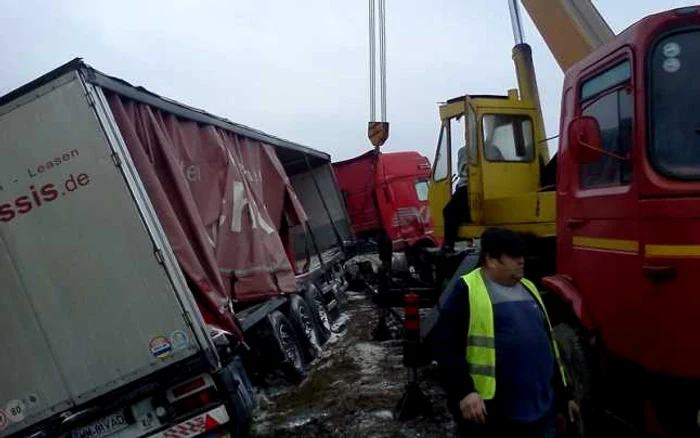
{"x": 289, "y": 346}
{"x": 322, "y": 315}
{"x": 308, "y": 326}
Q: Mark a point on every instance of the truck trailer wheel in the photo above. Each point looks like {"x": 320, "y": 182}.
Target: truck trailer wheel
{"x": 239, "y": 395}
{"x": 320, "y": 313}
{"x": 577, "y": 362}
{"x": 289, "y": 351}
{"x": 302, "y": 319}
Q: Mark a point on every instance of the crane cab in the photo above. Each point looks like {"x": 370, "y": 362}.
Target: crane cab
{"x": 506, "y": 154}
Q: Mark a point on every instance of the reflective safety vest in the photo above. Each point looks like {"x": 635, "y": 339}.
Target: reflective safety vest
{"x": 481, "y": 340}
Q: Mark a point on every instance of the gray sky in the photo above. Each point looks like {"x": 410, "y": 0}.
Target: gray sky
{"x": 295, "y": 69}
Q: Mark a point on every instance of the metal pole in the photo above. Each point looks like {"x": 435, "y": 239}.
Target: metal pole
{"x": 516, "y": 22}
{"x": 372, "y": 59}
{"x": 382, "y": 58}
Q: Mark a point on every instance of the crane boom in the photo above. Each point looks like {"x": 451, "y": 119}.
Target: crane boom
{"x": 571, "y": 28}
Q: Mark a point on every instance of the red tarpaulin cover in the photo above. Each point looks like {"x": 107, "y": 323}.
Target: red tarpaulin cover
{"x": 222, "y": 199}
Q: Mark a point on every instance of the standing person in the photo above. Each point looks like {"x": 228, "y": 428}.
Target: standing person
{"x": 456, "y": 211}
{"x": 495, "y": 351}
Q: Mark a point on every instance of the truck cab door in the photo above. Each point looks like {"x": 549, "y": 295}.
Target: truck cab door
{"x": 440, "y": 189}
{"x": 598, "y": 222}
{"x": 509, "y": 166}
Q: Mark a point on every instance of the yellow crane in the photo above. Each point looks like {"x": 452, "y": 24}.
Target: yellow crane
{"x": 503, "y": 135}
{"x": 571, "y": 28}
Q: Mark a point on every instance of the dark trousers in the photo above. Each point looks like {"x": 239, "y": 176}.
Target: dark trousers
{"x": 497, "y": 426}
{"x": 455, "y": 213}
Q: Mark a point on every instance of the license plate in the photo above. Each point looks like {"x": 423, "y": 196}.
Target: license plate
{"x": 103, "y": 427}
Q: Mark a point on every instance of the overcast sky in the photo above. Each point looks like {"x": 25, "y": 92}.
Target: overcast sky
{"x": 295, "y": 69}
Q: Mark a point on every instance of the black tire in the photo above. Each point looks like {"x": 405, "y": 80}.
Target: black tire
{"x": 289, "y": 350}
{"x": 301, "y": 317}
{"x": 313, "y": 298}
{"x": 577, "y": 363}
{"x": 239, "y": 395}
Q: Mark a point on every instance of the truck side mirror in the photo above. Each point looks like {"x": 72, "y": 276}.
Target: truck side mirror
{"x": 585, "y": 140}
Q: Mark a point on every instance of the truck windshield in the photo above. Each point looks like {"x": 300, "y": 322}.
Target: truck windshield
{"x": 675, "y": 105}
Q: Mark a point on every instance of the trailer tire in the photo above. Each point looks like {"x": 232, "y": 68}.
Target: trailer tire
{"x": 301, "y": 317}
{"x": 577, "y": 362}
{"x": 320, "y": 313}
{"x": 240, "y": 398}
{"x": 284, "y": 338}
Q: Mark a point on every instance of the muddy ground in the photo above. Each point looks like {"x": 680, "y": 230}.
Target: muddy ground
{"x": 353, "y": 389}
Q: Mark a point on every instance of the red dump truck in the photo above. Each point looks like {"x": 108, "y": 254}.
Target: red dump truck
{"x": 386, "y": 194}
{"x": 153, "y": 257}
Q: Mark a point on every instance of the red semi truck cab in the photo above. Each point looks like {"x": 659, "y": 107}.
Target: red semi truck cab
{"x": 628, "y": 208}
{"x": 387, "y": 196}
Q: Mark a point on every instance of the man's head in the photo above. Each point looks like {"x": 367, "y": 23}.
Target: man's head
{"x": 503, "y": 255}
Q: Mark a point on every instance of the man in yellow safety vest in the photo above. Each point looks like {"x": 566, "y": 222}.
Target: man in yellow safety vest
{"x": 496, "y": 354}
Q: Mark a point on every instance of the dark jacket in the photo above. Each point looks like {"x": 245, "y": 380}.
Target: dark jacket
{"x": 450, "y": 344}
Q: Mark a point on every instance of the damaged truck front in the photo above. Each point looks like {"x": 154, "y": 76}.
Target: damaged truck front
{"x": 148, "y": 262}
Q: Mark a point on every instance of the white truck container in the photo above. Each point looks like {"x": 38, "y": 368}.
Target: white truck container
{"x": 102, "y": 329}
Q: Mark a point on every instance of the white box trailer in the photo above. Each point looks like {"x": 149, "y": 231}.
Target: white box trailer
{"x": 79, "y": 244}
{"x": 104, "y": 328}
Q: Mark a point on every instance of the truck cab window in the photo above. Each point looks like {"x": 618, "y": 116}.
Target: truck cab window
{"x": 608, "y": 98}
{"x": 422, "y": 190}
{"x": 508, "y": 137}
{"x": 457, "y": 145}
{"x": 440, "y": 169}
